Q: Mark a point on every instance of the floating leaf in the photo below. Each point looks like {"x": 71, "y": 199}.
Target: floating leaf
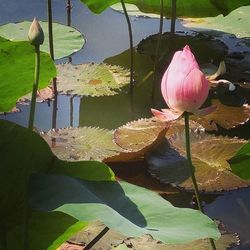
{"x": 210, "y": 157}
{"x": 237, "y": 22}
{"x": 126, "y": 208}
{"x": 17, "y": 65}
{"x": 84, "y": 143}
{"x": 204, "y": 8}
{"x": 91, "y": 79}
{"x": 240, "y": 162}
{"x": 67, "y": 40}
{"x": 139, "y": 136}
{"x": 204, "y": 47}
{"x": 128, "y": 142}
{"x": 224, "y": 116}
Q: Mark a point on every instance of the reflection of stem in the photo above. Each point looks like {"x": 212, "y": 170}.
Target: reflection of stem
{"x": 131, "y": 45}
{"x": 173, "y": 17}
{"x": 69, "y": 8}
{"x": 54, "y": 112}
{"x": 96, "y": 239}
{"x": 71, "y": 110}
{"x": 157, "y": 50}
{"x": 35, "y": 87}
{"x": 192, "y": 169}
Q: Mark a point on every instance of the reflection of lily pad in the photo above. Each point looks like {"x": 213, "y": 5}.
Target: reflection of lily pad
{"x": 225, "y": 116}
{"x": 209, "y": 155}
{"x": 17, "y": 65}
{"x": 67, "y": 40}
{"x": 91, "y": 79}
{"x": 237, "y": 22}
{"x": 204, "y": 47}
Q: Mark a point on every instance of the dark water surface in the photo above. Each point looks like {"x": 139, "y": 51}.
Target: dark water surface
{"x": 107, "y": 40}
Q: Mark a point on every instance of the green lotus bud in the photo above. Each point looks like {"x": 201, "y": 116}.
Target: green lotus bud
{"x": 36, "y": 35}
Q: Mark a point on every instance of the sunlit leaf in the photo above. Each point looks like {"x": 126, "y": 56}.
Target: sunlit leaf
{"x": 240, "y": 162}
{"x": 67, "y": 40}
{"x": 237, "y": 22}
{"x": 91, "y": 79}
{"x": 224, "y": 116}
{"x": 85, "y": 143}
{"x": 126, "y": 208}
{"x": 186, "y": 8}
{"x": 17, "y": 63}
{"x": 210, "y": 157}
{"x": 128, "y": 142}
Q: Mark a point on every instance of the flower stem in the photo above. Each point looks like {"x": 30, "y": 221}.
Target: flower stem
{"x": 69, "y": 8}
{"x": 35, "y": 87}
{"x": 192, "y": 169}
{"x": 131, "y": 46}
{"x": 173, "y": 17}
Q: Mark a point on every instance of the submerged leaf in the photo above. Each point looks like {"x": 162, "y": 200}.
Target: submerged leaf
{"x": 17, "y": 65}
{"x": 224, "y": 116}
{"x": 210, "y": 157}
{"x": 91, "y": 79}
{"x": 128, "y": 209}
{"x": 67, "y": 40}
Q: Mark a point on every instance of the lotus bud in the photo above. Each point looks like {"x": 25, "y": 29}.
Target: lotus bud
{"x": 36, "y": 35}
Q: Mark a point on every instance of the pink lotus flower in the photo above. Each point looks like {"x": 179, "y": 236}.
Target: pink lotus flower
{"x": 184, "y": 87}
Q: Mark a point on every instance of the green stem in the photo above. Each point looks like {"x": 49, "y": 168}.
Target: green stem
{"x": 173, "y": 17}
{"x": 157, "y": 50}
{"x": 131, "y": 46}
{"x": 192, "y": 169}
{"x": 35, "y": 87}
{"x": 69, "y": 8}
{"x": 50, "y": 29}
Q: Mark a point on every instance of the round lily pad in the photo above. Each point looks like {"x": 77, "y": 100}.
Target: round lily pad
{"x": 210, "y": 155}
{"x": 67, "y": 40}
{"x": 224, "y": 116}
{"x": 237, "y": 22}
{"x": 91, "y": 79}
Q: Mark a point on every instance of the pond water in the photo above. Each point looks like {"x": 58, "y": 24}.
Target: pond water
{"x": 107, "y": 40}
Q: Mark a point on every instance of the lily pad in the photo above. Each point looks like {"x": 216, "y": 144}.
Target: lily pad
{"x": 67, "y": 40}
{"x": 202, "y": 8}
{"x": 88, "y": 143}
{"x": 237, "y": 22}
{"x": 128, "y": 209}
{"x": 91, "y": 79}
{"x": 210, "y": 157}
{"x": 204, "y": 47}
{"x": 225, "y": 116}
{"x": 17, "y": 63}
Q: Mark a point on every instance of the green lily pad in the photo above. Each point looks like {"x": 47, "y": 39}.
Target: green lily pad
{"x": 128, "y": 142}
{"x": 67, "y": 40}
{"x": 17, "y": 62}
{"x": 240, "y": 162}
{"x": 210, "y": 157}
{"x": 237, "y": 22}
{"x": 186, "y": 8}
{"x": 128, "y": 209}
{"x": 225, "y": 116}
{"x": 91, "y": 79}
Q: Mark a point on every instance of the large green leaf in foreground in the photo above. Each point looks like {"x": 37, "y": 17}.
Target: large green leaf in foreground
{"x": 191, "y": 8}
{"x": 17, "y": 63}
{"x": 67, "y": 40}
{"x": 240, "y": 163}
{"x": 131, "y": 210}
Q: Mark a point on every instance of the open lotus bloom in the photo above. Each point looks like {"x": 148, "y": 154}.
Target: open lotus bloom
{"x": 184, "y": 87}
